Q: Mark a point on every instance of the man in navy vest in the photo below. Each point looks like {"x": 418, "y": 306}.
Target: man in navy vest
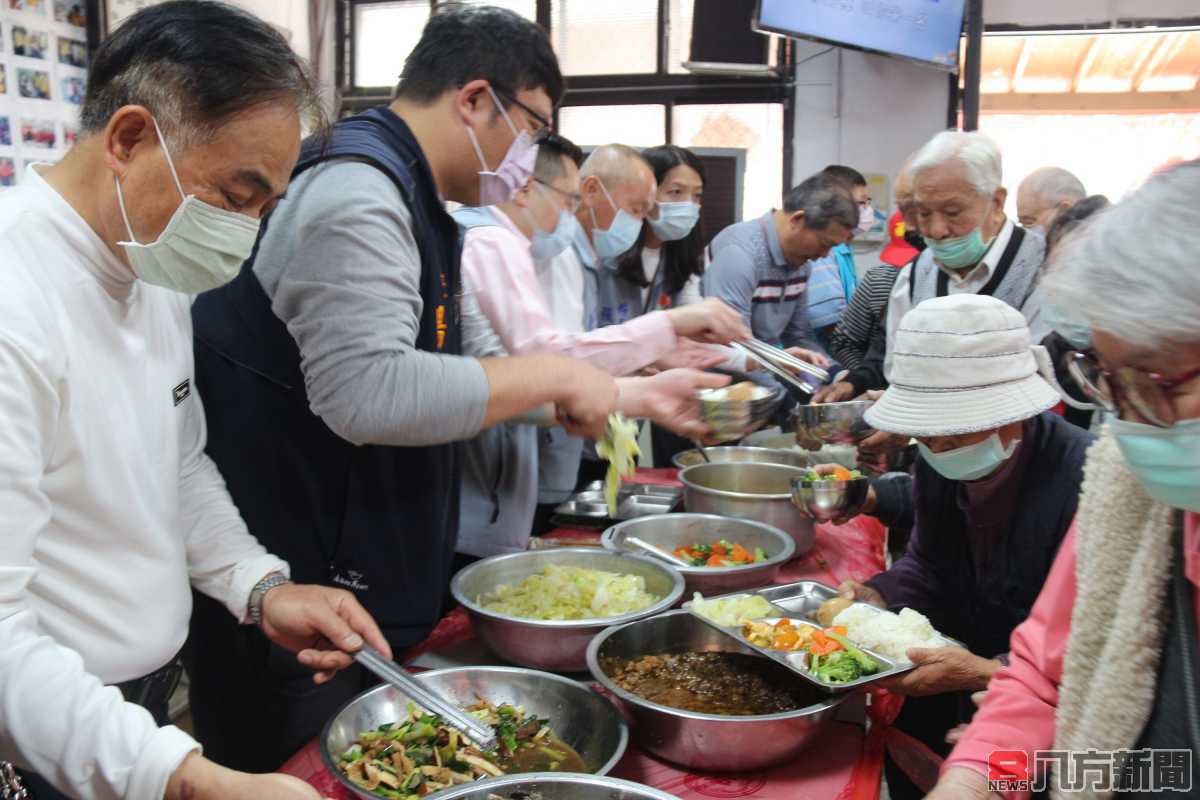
{"x": 331, "y": 370}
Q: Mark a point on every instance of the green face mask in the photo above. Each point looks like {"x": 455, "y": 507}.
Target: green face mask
{"x": 960, "y": 252}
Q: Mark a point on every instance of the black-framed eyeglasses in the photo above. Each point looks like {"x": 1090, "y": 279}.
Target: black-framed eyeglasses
{"x": 543, "y": 123}
{"x": 573, "y": 198}
{"x": 1146, "y": 393}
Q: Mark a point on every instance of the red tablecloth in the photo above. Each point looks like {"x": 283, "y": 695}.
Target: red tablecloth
{"x": 845, "y": 765}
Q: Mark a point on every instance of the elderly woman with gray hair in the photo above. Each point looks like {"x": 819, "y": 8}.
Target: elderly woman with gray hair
{"x": 1107, "y": 661}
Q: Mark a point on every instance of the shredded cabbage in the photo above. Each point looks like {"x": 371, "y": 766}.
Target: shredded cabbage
{"x": 560, "y": 593}
{"x": 620, "y": 449}
{"x": 729, "y": 612}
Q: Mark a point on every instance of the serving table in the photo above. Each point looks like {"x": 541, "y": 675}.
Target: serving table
{"x": 845, "y": 765}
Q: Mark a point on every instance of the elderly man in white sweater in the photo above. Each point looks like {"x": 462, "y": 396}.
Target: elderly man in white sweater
{"x": 111, "y": 509}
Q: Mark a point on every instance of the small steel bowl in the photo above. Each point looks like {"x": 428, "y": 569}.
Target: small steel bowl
{"x": 577, "y": 715}
{"x": 556, "y": 645}
{"x": 826, "y": 501}
{"x": 757, "y": 455}
{"x": 710, "y": 742}
{"x": 670, "y": 531}
{"x": 733, "y": 419}
{"x": 830, "y": 423}
{"x": 555, "y": 786}
{"x": 760, "y": 492}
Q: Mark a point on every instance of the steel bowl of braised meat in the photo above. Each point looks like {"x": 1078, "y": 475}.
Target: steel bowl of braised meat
{"x": 700, "y": 700}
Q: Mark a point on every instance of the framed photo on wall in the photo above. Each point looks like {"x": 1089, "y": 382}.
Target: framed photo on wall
{"x": 114, "y": 12}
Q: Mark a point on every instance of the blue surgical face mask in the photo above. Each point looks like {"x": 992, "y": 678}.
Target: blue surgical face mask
{"x": 1166, "y": 460}
{"x": 960, "y": 252}
{"x": 548, "y": 245}
{"x": 972, "y": 462}
{"x": 621, "y": 235}
{"x": 675, "y": 220}
{"x": 1076, "y": 332}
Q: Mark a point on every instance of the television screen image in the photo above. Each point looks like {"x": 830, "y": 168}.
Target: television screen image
{"x": 8, "y": 172}
{"x": 920, "y": 30}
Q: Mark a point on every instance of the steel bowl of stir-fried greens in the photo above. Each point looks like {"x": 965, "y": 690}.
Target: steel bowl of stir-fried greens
{"x": 382, "y": 745}
{"x": 724, "y": 554}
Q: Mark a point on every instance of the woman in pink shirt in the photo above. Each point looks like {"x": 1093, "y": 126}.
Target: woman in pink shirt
{"x": 1108, "y": 660}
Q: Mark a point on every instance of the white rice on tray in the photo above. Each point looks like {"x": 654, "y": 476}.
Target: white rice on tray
{"x": 888, "y": 634}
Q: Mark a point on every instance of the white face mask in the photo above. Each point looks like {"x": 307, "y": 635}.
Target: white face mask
{"x": 201, "y": 248}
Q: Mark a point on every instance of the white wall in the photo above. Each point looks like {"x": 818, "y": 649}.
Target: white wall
{"x": 1079, "y": 12}
{"x": 870, "y": 113}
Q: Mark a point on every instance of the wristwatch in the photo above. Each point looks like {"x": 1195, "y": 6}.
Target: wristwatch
{"x": 260, "y": 591}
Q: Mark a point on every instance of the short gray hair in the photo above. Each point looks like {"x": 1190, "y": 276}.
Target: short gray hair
{"x": 824, "y": 200}
{"x": 1144, "y": 290}
{"x": 612, "y": 164}
{"x": 976, "y": 153}
{"x": 1053, "y": 185}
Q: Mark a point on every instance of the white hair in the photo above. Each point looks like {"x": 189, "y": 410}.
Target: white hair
{"x": 976, "y": 153}
{"x": 1054, "y": 185}
{"x": 612, "y": 163}
{"x": 1131, "y": 272}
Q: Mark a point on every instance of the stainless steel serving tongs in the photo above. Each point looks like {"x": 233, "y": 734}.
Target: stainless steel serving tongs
{"x": 476, "y": 730}
{"x": 782, "y": 364}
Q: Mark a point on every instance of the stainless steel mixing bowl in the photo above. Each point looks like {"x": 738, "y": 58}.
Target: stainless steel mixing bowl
{"x": 826, "y": 500}
{"x": 733, "y": 419}
{"x": 556, "y": 645}
{"x": 830, "y": 423}
{"x": 705, "y": 741}
{"x": 757, "y": 455}
{"x": 761, "y": 492}
{"x": 669, "y": 531}
{"x": 580, "y": 717}
{"x": 556, "y": 786}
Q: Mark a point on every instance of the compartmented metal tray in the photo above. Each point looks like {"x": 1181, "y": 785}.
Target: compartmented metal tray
{"x": 799, "y": 603}
{"x": 633, "y": 500}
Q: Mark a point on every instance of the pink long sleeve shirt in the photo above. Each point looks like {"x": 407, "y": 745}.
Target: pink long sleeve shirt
{"x": 1018, "y": 713}
{"x": 498, "y": 267}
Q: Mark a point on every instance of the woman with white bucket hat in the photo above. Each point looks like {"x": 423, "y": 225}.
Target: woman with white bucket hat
{"x": 1106, "y": 665}
{"x": 994, "y": 491}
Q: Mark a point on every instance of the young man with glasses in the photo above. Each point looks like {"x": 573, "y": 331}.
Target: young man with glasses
{"x": 332, "y": 369}
{"x": 507, "y": 312}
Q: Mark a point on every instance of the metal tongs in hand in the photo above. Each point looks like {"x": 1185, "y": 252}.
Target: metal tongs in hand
{"x": 782, "y": 364}
{"x": 477, "y": 731}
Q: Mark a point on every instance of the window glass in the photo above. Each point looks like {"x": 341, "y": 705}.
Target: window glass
{"x": 638, "y": 126}
{"x": 679, "y": 33}
{"x": 384, "y": 35}
{"x": 756, "y": 128}
{"x": 605, "y": 37}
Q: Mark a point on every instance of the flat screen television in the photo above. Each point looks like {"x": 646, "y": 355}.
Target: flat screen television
{"x": 927, "y": 31}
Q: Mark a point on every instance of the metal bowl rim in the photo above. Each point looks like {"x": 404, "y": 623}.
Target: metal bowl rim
{"x": 846, "y": 404}
{"x": 683, "y": 478}
{"x": 678, "y": 585}
{"x": 784, "y": 556}
{"x": 623, "y": 728}
{"x": 733, "y": 447}
{"x": 776, "y": 394}
{"x": 807, "y": 484}
{"x": 593, "y": 661}
{"x": 569, "y": 778}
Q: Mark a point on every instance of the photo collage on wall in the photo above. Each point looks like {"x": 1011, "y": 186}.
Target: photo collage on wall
{"x": 43, "y": 80}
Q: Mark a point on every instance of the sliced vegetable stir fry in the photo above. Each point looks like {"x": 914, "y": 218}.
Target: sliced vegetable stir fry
{"x": 421, "y": 755}
{"x": 839, "y": 474}
{"x": 721, "y": 553}
{"x": 832, "y": 657}
{"x": 620, "y": 449}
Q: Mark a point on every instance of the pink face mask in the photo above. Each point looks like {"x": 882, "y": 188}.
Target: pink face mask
{"x": 499, "y": 185}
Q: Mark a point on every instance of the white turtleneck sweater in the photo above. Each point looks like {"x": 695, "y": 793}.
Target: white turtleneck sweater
{"x": 109, "y": 507}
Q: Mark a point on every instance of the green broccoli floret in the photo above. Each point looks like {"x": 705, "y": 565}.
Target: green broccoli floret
{"x": 836, "y": 668}
{"x": 869, "y": 665}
